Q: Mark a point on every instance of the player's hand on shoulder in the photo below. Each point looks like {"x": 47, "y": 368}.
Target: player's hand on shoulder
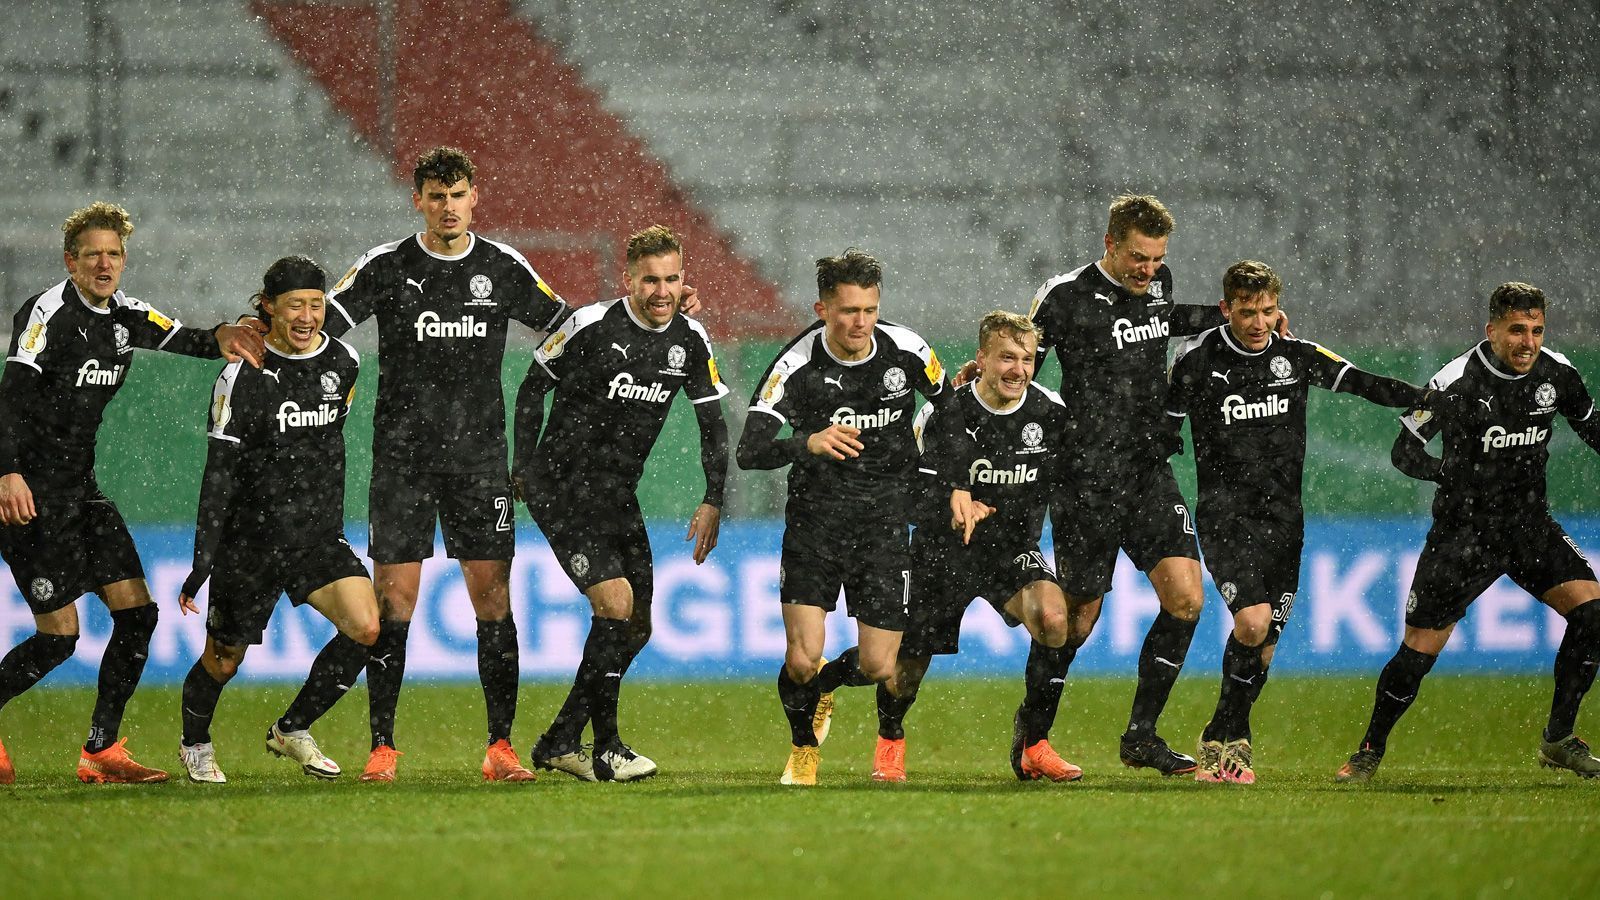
{"x": 967, "y": 372}
{"x": 16, "y": 500}
{"x": 689, "y": 304}
{"x": 253, "y": 322}
{"x": 837, "y": 441}
{"x": 704, "y": 526}
{"x": 240, "y": 342}
{"x": 1282, "y": 327}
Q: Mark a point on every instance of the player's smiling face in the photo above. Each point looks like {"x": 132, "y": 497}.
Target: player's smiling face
{"x": 1517, "y": 338}
{"x": 1005, "y": 366}
{"x": 95, "y": 265}
{"x": 447, "y": 210}
{"x": 1132, "y": 262}
{"x": 655, "y": 287}
{"x": 849, "y": 315}
{"x": 1251, "y": 318}
{"x": 296, "y": 319}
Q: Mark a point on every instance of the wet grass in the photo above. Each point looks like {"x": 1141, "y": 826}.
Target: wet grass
{"x": 1459, "y": 808}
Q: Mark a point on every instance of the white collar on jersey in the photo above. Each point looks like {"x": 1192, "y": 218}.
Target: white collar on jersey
{"x": 97, "y": 310}
{"x": 1227, "y": 338}
{"x": 822, "y": 338}
{"x": 999, "y": 412}
{"x": 1490, "y": 362}
{"x": 472, "y": 241}
{"x": 317, "y": 352}
{"x": 627, "y": 304}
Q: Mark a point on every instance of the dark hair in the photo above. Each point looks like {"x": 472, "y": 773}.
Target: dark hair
{"x": 446, "y": 165}
{"x": 1249, "y": 277}
{"x": 853, "y": 267}
{"x": 98, "y": 214}
{"x": 1514, "y": 295}
{"x": 657, "y": 240}
{"x": 1138, "y": 212}
{"x": 291, "y": 273}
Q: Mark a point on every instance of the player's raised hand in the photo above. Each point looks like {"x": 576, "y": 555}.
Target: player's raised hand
{"x": 689, "y": 303}
{"x": 255, "y": 322}
{"x": 967, "y": 372}
{"x": 703, "y": 528}
{"x": 16, "y": 500}
{"x": 837, "y": 441}
{"x": 1282, "y": 326}
{"x": 240, "y": 342}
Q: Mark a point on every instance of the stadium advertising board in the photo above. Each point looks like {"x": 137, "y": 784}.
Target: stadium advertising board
{"x": 722, "y": 620}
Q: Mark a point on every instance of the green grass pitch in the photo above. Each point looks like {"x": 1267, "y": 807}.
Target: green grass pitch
{"x": 1460, "y": 808}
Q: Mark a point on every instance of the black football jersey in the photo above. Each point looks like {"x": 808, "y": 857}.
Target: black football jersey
{"x": 1112, "y": 347}
{"x": 809, "y": 389}
{"x": 1012, "y": 455}
{"x": 615, "y": 380}
{"x": 1247, "y": 413}
{"x": 442, "y": 325}
{"x": 67, "y": 359}
{"x": 1495, "y": 465}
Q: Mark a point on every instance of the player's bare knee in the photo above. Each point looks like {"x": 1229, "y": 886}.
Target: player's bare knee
{"x": 1252, "y": 625}
{"x": 878, "y": 670}
{"x": 1052, "y": 629}
{"x": 802, "y": 666}
{"x": 363, "y": 630}
{"x": 1184, "y": 606}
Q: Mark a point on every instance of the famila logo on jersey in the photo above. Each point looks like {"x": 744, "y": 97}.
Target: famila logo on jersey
{"x": 91, "y": 373}
{"x": 1497, "y": 438}
{"x": 844, "y": 415}
{"x": 429, "y": 326}
{"x": 290, "y": 415}
{"x": 984, "y": 472}
{"x": 622, "y": 385}
{"x": 1128, "y": 333}
{"x": 1235, "y": 409}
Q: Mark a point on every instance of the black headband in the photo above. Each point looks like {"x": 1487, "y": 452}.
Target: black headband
{"x": 293, "y": 273}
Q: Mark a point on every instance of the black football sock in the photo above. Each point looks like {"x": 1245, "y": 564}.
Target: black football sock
{"x": 842, "y": 672}
{"x": 200, "y": 693}
{"x": 608, "y": 644}
{"x": 498, "y": 669}
{"x": 892, "y": 713}
{"x": 1576, "y": 662}
{"x": 1043, "y": 679}
{"x": 120, "y": 669}
{"x": 32, "y": 660}
{"x": 386, "y": 669}
{"x": 1397, "y": 688}
{"x": 799, "y": 705}
{"x": 1241, "y": 669}
{"x": 1160, "y": 661}
{"x": 332, "y": 673}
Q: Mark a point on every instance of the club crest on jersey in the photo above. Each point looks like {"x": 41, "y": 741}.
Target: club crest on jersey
{"x": 773, "y": 392}
{"x": 844, "y": 415}
{"x": 33, "y": 341}
{"x": 554, "y": 346}
{"x": 1545, "y": 396}
{"x": 481, "y": 287}
{"x": 290, "y": 415}
{"x": 1228, "y": 590}
{"x": 1235, "y": 409}
{"x": 676, "y": 357}
{"x": 1032, "y": 434}
{"x": 894, "y": 381}
{"x": 42, "y": 590}
{"x": 330, "y": 385}
{"x": 1497, "y": 438}
{"x": 983, "y": 471}
{"x": 221, "y": 412}
{"x": 1125, "y": 332}
{"x": 622, "y": 385}
{"x": 119, "y": 333}
{"x": 1156, "y": 290}
{"x": 90, "y": 373}
{"x": 429, "y": 326}
{"x": 580, "y": 565}
{"x": 1280, "y": 367}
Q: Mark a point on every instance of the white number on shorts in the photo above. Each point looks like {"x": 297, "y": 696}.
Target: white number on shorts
{"x": 905, "y": 593}
{"x": 504, "y": 506}
{"x": 1180, "y": 509}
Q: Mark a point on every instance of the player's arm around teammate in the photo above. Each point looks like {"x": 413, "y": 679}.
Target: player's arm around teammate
{"x": 271, "y": 521}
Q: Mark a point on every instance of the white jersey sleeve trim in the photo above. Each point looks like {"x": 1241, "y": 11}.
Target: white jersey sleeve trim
{"x": 36, "y": 334}
{"x": 1339, "y": 379}
{"x": 1452, "y": 371}
{"x": 538, "y": 280}
{"x": 222, "y": 393}
{"x": 349, "y": 277}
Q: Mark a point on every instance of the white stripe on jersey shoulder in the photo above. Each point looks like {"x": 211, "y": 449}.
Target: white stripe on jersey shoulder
{"x": 514, "y": 253}
{"x": 1192, "y": 343}
{"x": 123, "y": 301}
{"x": 1052, "y": 284}
{"x": 918, "y": 423}
{"x": 1050, "y": 395}
{"x": 354, "y": 356}
{"x": 1452, "y": 371}
{"x": 799, "y": 351}
{"x": 1558, "y": 357}
{"x": 697, "y": 328}
{"x": 584, "y": 316}
{"x": 349, "y": 277}
{"x": 907, "y": 340}
{"x": 44, "y": 309}
{"x": 220, "y": 416}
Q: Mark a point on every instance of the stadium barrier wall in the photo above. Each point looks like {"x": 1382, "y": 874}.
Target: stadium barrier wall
{"x": 722, "y": 619}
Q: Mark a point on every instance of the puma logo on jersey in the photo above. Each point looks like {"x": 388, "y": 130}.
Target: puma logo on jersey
{"x": 429, "y": 326}
{"x": 1106, "y": 297}
{"x": 417, "y": 284}
{"x": 973, "y": 431}
{"x": 91, "y": 373}
{"x": 1125, "y": 332}
{"x": 835, "y": 380}
{"x": 1497, "y": 438}
{"x": 984, "y": 472}
{"x": 273, "y": 374}
{"x": 1222, "y": 375}
{"x": 290, "y": 415}
{"x": 622, "y": 385}
{"x": 1235, "y": 409}
{"x": 621, "y": 349}
{"x": 85, "y": 333}
{"x": 844, "y": 415}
